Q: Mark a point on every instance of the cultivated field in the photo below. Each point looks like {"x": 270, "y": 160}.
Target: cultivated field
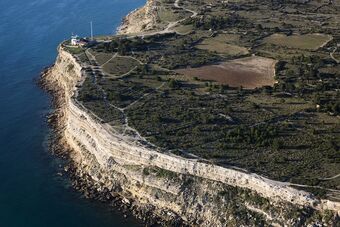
{"x": 249, "y": 72}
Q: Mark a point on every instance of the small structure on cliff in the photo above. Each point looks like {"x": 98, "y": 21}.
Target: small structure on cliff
{"x": 76, "y": 41}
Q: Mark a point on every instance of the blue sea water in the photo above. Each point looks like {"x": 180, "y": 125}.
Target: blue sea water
{"x": 31, "y": 193}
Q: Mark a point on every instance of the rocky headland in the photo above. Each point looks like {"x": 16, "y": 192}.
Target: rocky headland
{"x": 162, "y": 188}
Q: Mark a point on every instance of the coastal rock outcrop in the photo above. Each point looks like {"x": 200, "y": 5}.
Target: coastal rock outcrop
{"x": 142, "y": 19}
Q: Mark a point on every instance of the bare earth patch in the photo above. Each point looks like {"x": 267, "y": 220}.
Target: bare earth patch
{"x": 249, "y": 72}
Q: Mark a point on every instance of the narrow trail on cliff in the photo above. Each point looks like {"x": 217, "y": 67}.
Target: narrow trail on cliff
{"x": 126, "y": 127}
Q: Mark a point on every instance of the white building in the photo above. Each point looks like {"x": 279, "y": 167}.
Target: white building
{"x": 75, "y": 40}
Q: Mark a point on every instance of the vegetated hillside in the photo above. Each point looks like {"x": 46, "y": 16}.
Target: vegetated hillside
{"x": 288, "y": 131}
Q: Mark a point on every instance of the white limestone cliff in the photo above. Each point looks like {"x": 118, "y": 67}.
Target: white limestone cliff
{"x": 117, "y": 162}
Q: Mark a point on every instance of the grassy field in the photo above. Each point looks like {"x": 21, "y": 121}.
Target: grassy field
{"x": 102, "y": 58}
{"x": 74, "y": 50}
{"x": 306, "y": 42}
{"x": 167, "y": 14}
{"x": 223, "y": 44}
{"x": 120, "y": 65}
{"x": 184, "y": 29}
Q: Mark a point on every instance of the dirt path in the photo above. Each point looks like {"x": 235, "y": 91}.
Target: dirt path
{"x": 194, "y": 13}
{"x": 332, "y": 55}
{"x": 171, "y": 25}
{"x": 89, "y": 55}
{"x": 266, "y": 215}
{"x": 126, "y": 126}
{"x": 143, "y": 96}
{"x": 114, "y": 56}
{"x": 93, "y": 58}
{"x": 310, "y": 186}
{"x": 331, "y": 178}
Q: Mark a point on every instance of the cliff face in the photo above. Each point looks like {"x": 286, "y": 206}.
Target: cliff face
{"x": 139, "y": 20}
{"x": 171, "y": 186}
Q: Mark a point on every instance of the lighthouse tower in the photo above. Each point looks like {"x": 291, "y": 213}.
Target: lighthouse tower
{"x": 74, "y": 40}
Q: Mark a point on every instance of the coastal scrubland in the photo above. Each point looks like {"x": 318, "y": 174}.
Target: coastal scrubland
{"x": 191, "y": 91}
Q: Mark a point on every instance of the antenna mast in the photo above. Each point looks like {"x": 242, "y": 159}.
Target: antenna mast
{"x": 91, "y": 31}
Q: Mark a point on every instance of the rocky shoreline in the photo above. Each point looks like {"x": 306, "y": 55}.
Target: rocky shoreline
{"x": 120, "y": 172}
{"x": 182, "y": 199}
{"x": 80, "y": 180}
{"x": 139, "y": 20}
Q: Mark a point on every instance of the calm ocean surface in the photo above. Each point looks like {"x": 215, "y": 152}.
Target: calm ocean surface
{"x": 31, "y": 193}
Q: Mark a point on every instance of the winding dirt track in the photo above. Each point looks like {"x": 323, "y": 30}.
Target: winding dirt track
{"x": 332, "y": 55}
{"x": 171, "y": 25}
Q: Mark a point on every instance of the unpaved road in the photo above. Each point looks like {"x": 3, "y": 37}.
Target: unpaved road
{"x": 332, "y": 55}
{"x": 171, "y": 25}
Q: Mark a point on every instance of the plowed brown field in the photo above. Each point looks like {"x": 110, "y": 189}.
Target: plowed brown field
{"x": 249, "y": 72}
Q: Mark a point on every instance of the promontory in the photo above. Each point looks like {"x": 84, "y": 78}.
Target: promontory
{"x": 207, "y": 113}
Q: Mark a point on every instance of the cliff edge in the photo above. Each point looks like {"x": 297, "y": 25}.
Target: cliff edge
{"x": 172, "y": 187}
{"x": 139, "y": 20}
{"x": 161, "y": 187}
